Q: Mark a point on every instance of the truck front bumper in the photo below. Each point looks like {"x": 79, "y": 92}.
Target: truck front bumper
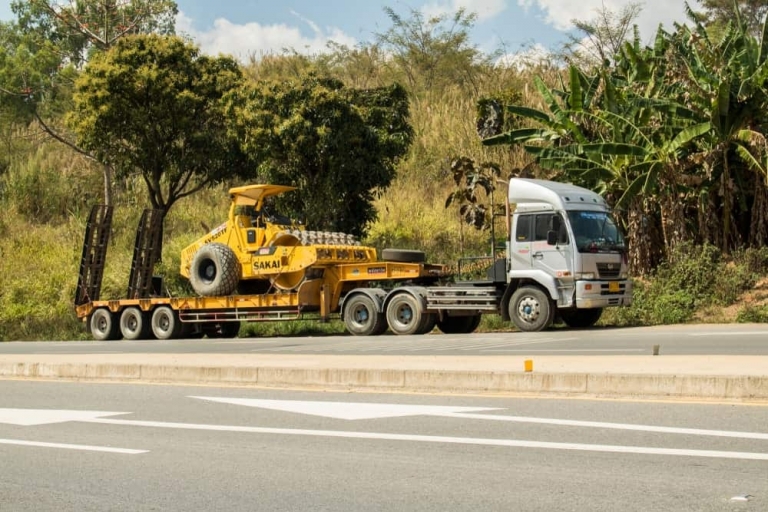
{"x": 603, "y": 294}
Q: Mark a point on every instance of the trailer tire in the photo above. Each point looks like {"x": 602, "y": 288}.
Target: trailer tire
{"x": 135, "y": 324}
{"x": 580, "y": 318}
{"x": 104, "y": 325}
{"x": 405, "y": 314}
{"x": 362, "y": 317}
{"x": 459, "y": 324}
{"x": 531, "y": 309}
{"x": 403, "y": 256}
{"x": 166, "y": 324}
{"x": 214, "y": 270}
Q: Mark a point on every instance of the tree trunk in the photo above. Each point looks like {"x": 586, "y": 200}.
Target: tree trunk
{"x": 673, "y": 222}
{"x": 642, "y": 251}
{"x": 758, "y": 233}
{"x": 726, "y": 190}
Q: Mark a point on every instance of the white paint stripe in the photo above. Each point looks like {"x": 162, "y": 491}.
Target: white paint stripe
{"x": 642, "y": 450}
{"x": 567, "y": 350}
{"x": 729, "y": 333}
{"x": 83, "y": 447}
{"x": 614, "y": 426}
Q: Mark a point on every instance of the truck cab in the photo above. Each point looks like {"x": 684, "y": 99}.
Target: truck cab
{"x": 566, "y": 256}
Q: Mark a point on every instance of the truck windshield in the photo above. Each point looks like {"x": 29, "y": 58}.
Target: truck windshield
{"x": 595, "y": 232}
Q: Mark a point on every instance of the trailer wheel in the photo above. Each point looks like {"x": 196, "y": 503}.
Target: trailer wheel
{"x": 403, "y": 256}
{"x": 581, "y": 318}
{"x": 362, "y": 317}
{"x": 459, "y": 324}
{"x": 104, "y": 325}
{"x": 405, "y": 314}
{"x": 214, "y": 270}
{"x": 135, "y": 324}
{"x": 165, "y": 323}
{"x": 531, "y": 309}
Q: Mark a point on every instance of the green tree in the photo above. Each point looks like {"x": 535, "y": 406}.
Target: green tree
{"x": 51, "y": 41}
{"x": 720, "y": 12}
{"x": 153, "y": 105}
{"x": 339, "y": 146}
{"x": 434, "y": 52}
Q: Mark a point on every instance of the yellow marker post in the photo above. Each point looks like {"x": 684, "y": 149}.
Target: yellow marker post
{"x": 528, "y": 365}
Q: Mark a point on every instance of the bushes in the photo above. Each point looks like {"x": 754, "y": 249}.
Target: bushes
{"x": 694, "y": 277}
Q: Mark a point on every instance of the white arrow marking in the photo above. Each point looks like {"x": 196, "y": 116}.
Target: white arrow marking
{"x": 361, "y": 410}
{"x": 347, "y": 410}
{"x": 29, "y": 417}
{"x": 84, "y": 447}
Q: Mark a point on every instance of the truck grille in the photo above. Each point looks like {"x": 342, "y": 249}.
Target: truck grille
{"x": 609, "y": 270}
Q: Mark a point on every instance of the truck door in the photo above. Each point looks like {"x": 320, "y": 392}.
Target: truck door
{"x": 556, "y": 260}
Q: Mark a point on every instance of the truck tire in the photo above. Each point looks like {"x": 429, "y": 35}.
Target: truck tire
{"x": 405, "y": 314}
{"x": 166, "y": 324}
{"x": 214, "y": 270}
{"x": 459, "y": 324}
{"x": 104, "y": 325}
{"x": 403, "y": 256}
{"x": 222, "y": 330}
{"x": 135, "y": 324}
{"x": 428, "y": 322}
{"x": 580, "y": 318}
{"x": 362, "y": 317}
{"x": 531, "y": 309}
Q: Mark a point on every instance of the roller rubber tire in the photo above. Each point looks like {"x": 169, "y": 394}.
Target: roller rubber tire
{"x": 215, "y": 271}
{"x": 104, "y": 325}
{"x": 403, "y": 256}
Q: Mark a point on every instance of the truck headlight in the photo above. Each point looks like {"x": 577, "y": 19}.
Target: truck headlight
{"x": 624, "y": 275}
{"x": 587, "y": 276}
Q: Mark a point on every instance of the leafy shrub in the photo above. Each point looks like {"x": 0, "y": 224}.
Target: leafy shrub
{"x": 751, "y": 313}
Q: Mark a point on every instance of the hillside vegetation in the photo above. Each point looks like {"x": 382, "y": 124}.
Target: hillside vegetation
{"x": 47, "y": 189}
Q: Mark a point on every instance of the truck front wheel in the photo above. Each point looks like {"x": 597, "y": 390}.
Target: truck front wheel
{"x": 531, "y": 309}
{"x": 580, "y": 318}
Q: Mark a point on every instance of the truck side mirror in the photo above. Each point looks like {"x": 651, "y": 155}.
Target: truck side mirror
{"x": 552, "y": 237}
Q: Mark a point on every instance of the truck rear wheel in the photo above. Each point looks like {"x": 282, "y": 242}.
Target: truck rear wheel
{"x": 405, "y": 314}
{"x": 135, "y": 324}
{"x": 428, "y": 322}
{"x": 214, "y": 270}
{"x": 165, "y": 323}
{"x": 581, "y": 318}
{"x": 459, "y": 324}
{"x": 223, "y": 330}
{"x": 104, "y": 325}
{"x": 362, "y": 317}
{"x": 531, "y": 309}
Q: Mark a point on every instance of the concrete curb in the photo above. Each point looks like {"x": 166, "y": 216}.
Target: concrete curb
{"x": 609, "y": 385}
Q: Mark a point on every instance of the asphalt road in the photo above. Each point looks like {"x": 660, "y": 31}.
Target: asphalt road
{"x": 731, "y": 339}
{"x": 205, "y": 448}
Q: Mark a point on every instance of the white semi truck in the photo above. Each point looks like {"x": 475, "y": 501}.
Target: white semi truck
{"x": 565, "y": 259}
{"x": 566, "y": 256}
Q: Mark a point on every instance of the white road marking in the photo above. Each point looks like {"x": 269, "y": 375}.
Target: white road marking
{"x": 65, "y": 446}
{"x": 729, "y": 333}
{"x": 28, "y": 417}
{"x": 512, "y": 443}
{"x": 347, "y": 410}
{"x": 614, "y": 426}
{"x": 566, "y": 350}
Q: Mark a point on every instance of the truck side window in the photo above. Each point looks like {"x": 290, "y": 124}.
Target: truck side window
{"x": 544, "y": 223}
{"x": 523, "y": 233}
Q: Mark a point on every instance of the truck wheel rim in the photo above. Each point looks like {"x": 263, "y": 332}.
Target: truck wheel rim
{"x": 529, "y": 309}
